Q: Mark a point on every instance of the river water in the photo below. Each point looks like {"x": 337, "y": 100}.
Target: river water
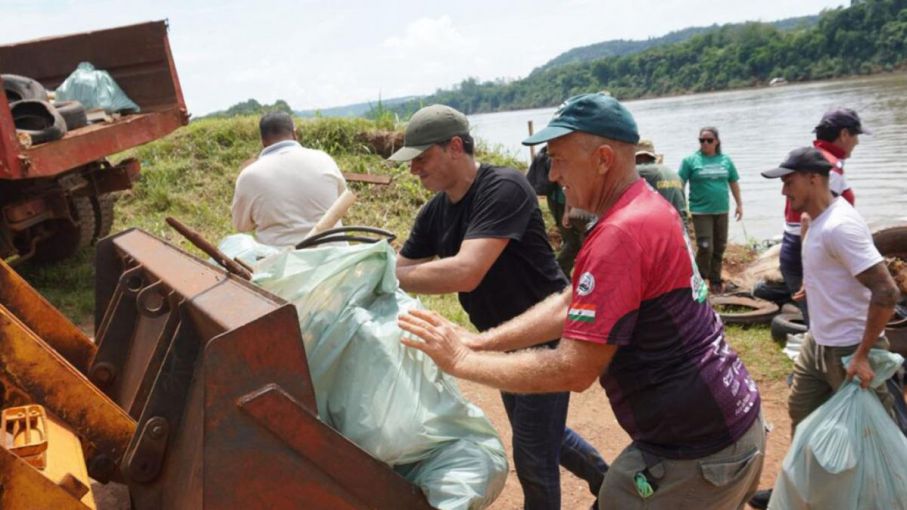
{"x": 758, "y": 128}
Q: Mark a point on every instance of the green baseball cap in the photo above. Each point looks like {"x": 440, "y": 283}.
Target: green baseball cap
{"x": 597, "y": 114}
{"x": 428, "y": 126}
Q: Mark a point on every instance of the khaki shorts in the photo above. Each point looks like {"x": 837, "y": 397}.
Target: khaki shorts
{"x": 722, "y": 480}
{"x": 818, "y": 372}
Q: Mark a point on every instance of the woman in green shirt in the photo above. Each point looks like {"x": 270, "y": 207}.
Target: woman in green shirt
{"x": 710, "y": 173}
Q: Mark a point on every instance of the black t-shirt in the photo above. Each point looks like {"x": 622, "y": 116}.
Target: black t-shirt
{"x": 499, "y": 204}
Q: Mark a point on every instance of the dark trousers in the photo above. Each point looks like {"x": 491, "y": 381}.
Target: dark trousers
{"x": 571, "y": 238}
{"x": 792, "y": 268}
{"x": 711, "y": 240}
{"x": 542, "y": 443}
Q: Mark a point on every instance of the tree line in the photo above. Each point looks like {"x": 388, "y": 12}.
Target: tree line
{"x": 867, "y": 37}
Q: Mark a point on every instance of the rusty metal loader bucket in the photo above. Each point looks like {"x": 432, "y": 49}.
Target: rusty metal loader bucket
{"x": 214, "y": 373}
{"x": 43, "y": 357}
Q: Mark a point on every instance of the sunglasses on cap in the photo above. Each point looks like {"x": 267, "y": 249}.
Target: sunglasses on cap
{"x": 706, "y": 140}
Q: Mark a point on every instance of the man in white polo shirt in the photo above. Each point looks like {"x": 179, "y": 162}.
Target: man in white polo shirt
{"x": 850, "y": 294}
{"x": 287, "y": 189}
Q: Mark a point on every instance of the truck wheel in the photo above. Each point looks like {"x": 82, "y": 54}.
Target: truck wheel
{"x": 73, "y": 114}
{"x": 68, "y": 238}
{"x": 103, "y": 214}
{"x": 21, "y": 87}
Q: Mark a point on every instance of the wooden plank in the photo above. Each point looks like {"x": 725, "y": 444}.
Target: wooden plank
{"x": 367, "y": 178}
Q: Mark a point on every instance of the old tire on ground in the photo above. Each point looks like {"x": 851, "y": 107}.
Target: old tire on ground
{"x": 39, "y": 119}
{"x": 785, "y": 324}
{"x": 73, "y": 114}
{"x": 18, "y": 88}
{"x": 103, "y": 214}
{"x": 760, "y": 311}
{"x": 69, "y": 237}
{"x": 891, "y": 242}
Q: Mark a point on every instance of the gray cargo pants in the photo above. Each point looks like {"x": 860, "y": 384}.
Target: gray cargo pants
{"x": 725, "y": 479}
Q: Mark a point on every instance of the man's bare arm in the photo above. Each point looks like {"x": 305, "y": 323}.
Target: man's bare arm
{"x": 541, "y": 323}
{"x": 461, "y": 273}
{"x": 881, "y": 306}
{"x": 573, "y": 366}
{"x": 735, "y": 190}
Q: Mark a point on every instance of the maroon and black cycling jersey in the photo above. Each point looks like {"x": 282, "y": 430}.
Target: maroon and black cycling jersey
{"x": 674, "y": 384}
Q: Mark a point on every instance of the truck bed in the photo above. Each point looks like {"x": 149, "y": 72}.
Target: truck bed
{"x": 137, "y": 56}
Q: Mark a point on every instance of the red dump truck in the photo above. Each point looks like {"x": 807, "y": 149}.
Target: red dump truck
{"x": 58, "y": 196}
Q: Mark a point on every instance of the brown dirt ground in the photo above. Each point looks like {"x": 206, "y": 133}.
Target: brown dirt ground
{"x": 591, "y": 416}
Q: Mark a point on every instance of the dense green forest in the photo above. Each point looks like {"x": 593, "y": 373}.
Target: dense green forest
{"x": 868, "y": 36}
{"x": 620, "y": 47}
{"x": 250, "y": 107}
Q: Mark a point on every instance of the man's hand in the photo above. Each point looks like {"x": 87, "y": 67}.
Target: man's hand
{"x": 800, "y": 295}
{"x": 440, "y": 338}
{"x": 859, "y": 366}
{"x": 738, "y": 212}
{"x": 475, "y": 341}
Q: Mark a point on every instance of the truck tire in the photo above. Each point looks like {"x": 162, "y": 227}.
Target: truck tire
{"x": 103, "y": 214}
{"x": 73, "y": 114}
{"x": 758, "y": 311}
{"x": 787, "y": 323}
{"x": 18, "y": 88}
{"x": 69, "y": 237}
{"x": 38, "y": 119}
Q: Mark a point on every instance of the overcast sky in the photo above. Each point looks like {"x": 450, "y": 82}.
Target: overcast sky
{"x": 319, "y": 54}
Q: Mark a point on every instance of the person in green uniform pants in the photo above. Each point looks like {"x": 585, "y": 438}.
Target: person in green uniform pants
{"x": 571, "y": 225}
{"x": 710, "y": 174}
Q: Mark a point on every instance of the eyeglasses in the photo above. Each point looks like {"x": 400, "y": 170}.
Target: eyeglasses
{"x": 706, "y": 140}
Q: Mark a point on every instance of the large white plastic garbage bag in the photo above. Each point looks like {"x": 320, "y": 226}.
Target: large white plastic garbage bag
{"x": 391, "y": 401}
{"x": 848, "y": 454}
{"x": 95, "y": 88}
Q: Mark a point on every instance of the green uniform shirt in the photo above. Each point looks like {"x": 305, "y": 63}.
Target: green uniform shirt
{"x": 708, "y": 177}
{"x": 667, "y": 184}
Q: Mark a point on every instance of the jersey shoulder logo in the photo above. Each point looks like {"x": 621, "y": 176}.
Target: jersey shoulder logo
{"x": 586, "y": 284}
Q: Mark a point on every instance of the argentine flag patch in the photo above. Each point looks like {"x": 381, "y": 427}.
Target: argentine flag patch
{"x": 581, "y": 313}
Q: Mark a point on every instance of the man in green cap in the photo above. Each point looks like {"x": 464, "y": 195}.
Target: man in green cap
{"x": 482, "y": 236}
{"x": 637, "y": 319}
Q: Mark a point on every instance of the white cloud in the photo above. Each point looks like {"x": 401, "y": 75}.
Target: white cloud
{"x": 430, "y": 35}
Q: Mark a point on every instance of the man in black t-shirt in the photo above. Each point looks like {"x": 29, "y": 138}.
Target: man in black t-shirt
{"x": 482, "y": 236}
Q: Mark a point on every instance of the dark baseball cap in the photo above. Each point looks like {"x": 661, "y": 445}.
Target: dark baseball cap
{"x": 428, "y": 126}
{"x": 804, "y": 159}
{"x": 842, "y": 118}
{"x": 597, "y": 114}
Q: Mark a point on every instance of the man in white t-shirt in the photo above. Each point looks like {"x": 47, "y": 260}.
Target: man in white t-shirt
{"x": 851, "y": 295}
{"x": 287, "y": 189}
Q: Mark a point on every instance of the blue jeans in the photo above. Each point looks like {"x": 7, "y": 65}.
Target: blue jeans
{"x": 542, "y": 443}
{"x": 792, "y": 268}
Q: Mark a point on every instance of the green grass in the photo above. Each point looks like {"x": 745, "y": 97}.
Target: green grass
{"x": 762, "y": 356}
{"x": 190, "y": 175}
{"x": 68, "y": 285}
